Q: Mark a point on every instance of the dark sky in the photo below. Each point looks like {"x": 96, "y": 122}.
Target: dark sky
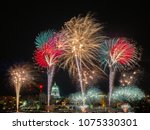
{"x": 21, "y": 22}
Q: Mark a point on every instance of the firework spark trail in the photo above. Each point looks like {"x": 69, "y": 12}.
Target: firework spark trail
{"x": 117, "y": 54}
{"x": 82, "y": 37}
{"x": 20, "y": 75}
{"x": 17, "y": 96}
{"x": 111, "y": 83}
{"x": 80, "y": 79}
{"x": 50, "y": 74}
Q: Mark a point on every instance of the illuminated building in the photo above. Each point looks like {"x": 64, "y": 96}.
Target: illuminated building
{"x": 55, "y": 91}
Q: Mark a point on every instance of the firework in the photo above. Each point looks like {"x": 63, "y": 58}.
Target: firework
{"x": 93, "y": 95}
{"x": 82, "y": 36}
{"x": 77, "y": 98}
{"x": 47, "y": 57}
{"x": 43, "y": 37}
{"x": 89, "y": 77}
{"x": 117, "y": 53}
{"x": 125, "y": 107}
{"x": 129, "y": 78}
{"x": 20, "y": 75}
{"x": 127, "y": 94}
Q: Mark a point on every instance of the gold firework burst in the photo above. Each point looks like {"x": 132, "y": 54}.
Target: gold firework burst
{"x": 20, "y": 75}
{"x": 82, "y": 38}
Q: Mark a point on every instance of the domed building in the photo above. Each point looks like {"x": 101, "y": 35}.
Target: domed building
{"x": 55, "y": 93}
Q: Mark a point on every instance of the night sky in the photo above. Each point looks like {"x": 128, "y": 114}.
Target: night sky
{"x": 21, "y": 23}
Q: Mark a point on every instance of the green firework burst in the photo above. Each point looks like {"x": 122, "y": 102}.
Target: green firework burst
{"x": 127, "y": 94}
{"x": 43, "y": 37}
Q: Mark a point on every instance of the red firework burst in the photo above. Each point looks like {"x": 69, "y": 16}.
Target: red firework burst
{"x": 123, "y": 52}
{"x": 49, "y": 53}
